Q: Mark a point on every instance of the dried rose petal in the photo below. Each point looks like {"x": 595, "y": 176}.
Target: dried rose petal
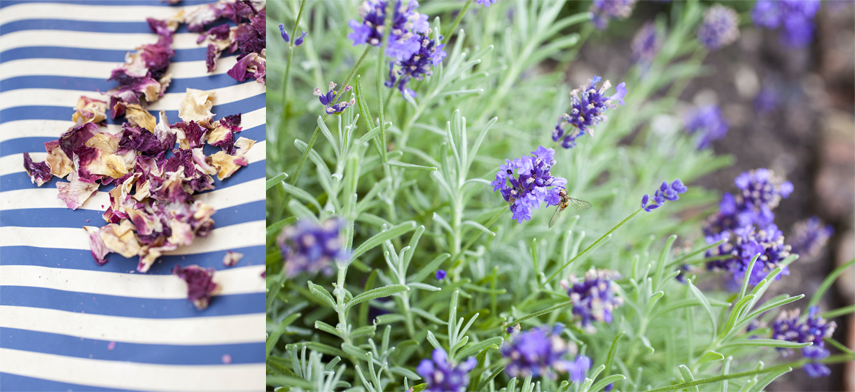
{"x": 196, "y": 106}
{"x": 200, "y": 285}
{"x": 190, "y": 135}
{"x": 73, "y": 140}
{"x": 227, "y": 164}
{"x": 121, "y": 238}
{"x": 232, "y": 258}
{"x": 96, "y": 244}
{"x": 148, "y": 254}
{"x": 59, "y": 163}
{"x": 89, "y": 110}
{"x": 75, "y": 193}
{"x": 250, "y": 65}
{"x": 222, "y": 137}
{"x": 39, "y": 172}
{"x": 232, "y": 122}
{"x": 138, "y": 116}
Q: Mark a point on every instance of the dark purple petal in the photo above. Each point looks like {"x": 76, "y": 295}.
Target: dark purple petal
{"x": 39, "y": 172}
{"x": 200, "y": 285}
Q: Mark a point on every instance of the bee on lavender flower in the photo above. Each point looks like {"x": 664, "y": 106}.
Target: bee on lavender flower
{"x": 565, "y": 202}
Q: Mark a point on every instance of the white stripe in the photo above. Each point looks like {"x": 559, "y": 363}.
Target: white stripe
{"x": 45, "y": 197}
{"x": 245, "y": 328}
{"x": 238, "y": 280}
{"x": 42, "y": 128}
{"x": 14, "y": 163}
{"x": 84, "y": 40}
{"x": 65, "y": 98}
{"x": 55, "y": 128}
{"x": 102, "y": 69}
{"x": 224, "y": 238}
{"x": 87, "y": 12}
{"x": 136, "y": 376}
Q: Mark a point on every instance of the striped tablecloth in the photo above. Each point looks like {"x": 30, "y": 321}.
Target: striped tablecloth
{"x": 65, "y": 322}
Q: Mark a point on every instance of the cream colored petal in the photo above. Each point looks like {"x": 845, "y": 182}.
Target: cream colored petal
{"x": 136, "y": 115}
{"x": 121, "y": 238}
{"x": 196, "y": 106}
{"x": 243, "y": 145}
{"x": 104, "y": 142}
{"x": 227, "y": 164}
{"x": 89, "y": 110}
{"x": 58, "y": 162}
{"x": 110, "y": 165}
{"x": 218, "y": 134}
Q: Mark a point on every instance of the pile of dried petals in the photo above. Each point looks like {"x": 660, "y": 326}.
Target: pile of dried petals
{"x": 152, "y": 209}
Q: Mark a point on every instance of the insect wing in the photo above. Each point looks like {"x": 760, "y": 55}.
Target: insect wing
{"x": 579, "y": 204}
{"x": 555, "y": 216}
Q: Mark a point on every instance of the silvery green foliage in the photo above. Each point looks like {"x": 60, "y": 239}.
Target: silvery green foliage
{"x": 415, "y": 196}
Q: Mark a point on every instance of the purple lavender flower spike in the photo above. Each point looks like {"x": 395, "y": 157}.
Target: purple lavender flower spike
{"x": 794, "y": 16}
{"x": 813, "y": 329}
{"x": 605, "y": 10}
{"x": 666, "y": 192}
{"x": 646, "y": 44}
{"x": 788, "y": 327}
{"x": 442, "y": 376}
{"x": 762, "y": 187}
{"x": 593, "y": 298}
{"x": 810, "y": 236}
{"x": 285, "y": 35}
{"x": 760, "y": 191}
{"x": 748, "y": 242}
{"x": 532, "y": 185}
{"x": 328, "y": 100}
{"x": 540, "y": 352}
{"x": 719, "y": 28}
{"x": 308, "y": 247}
{"x": 707, "y": 123}
{"x": 588, "y": 107}
{"x": 406, "y": 22}
{"x": 416, "y": 66}
{"x": 486, "y": 3}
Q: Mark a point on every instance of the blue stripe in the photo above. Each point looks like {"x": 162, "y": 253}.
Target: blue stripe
{"x": 253, "y": 171}
{"x": 111, "y": 305}
{"x": 93, "y": 26}
{"x": 105, "y": 55}
{"x": 14, "y": 382}
{"x": 149, "y": 3}
{"x": 158, "y": 354}
{"x": 207, "y": 82}
{"x": 82, "y": 259}
{"x": 64, "y": 217}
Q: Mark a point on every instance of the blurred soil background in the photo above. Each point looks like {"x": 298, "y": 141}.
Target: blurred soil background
{"x": 809, "y": 138}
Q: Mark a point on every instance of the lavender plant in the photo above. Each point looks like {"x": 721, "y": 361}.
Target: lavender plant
{"x": 402, "y": 197}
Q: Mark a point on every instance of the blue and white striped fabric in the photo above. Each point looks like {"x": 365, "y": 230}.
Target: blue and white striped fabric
{"x": 59, "y": 311}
